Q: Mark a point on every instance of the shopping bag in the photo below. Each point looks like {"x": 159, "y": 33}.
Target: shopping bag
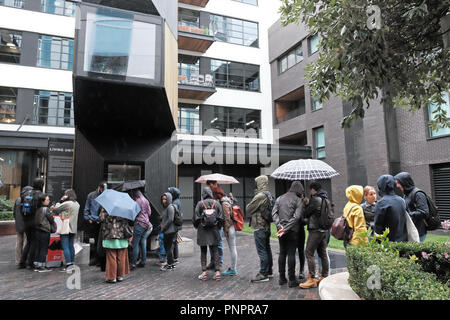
{"x": 413, "y": 234}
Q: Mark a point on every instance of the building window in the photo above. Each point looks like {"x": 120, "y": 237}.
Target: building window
{"x": 253, "y": 2}
{"x": 196, "y": 119}
{"x": 8, "y": 102}
{"x": 10, "y": 46}
{"x": 118, "y": 45}
{"x": 13, "y": 3}
{"x": 235, "y": 75}
{"x": 189, "y": 119}
{"x": 234, "y": 31}
{"x": 431, "y": 108}
{"x": 313, "y": 44}
{"x": 319, "y": 143}
{"x": 61, "y": 7}
{"x": 123, "y": 172}
{"x": 290, "y": 59}
{"x": 55, "y": 53}
{"x": 53, "y": 109}
{"x": 316, "y": 104}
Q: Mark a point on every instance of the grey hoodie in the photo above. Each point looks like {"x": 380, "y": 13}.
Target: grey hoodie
{"x": 289, "y": 208}
{"x": 167, "y": 225}
{"x": 258, "y": 204}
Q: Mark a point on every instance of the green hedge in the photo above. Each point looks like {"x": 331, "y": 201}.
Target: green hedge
{"x": 436, "y": 259}
{"x": 6, "y": 215}
{"x": 6, "y": 205}
{"x": 401, "y": 279}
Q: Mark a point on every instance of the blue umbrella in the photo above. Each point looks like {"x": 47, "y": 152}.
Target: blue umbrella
{"x": 118, "y": 204}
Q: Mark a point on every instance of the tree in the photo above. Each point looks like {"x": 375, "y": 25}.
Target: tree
{"x": 391, "y": 46}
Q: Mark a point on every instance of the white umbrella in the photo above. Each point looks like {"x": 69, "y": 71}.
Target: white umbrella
{"x": 304, "y": 169}
{"x": 220, "y": 178}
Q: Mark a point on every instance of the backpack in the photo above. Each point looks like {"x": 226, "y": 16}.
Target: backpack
{"x": 267, "y": 213}
{"x": 177, "y": 217}
{"x": 326, "y": 214}
{"x": 28, "y": 204}
{"x": 341, "y": 230}
{"x": 432, "y": 219}
{"x": 238, "y": 218}
{"x": 209, "y": 216}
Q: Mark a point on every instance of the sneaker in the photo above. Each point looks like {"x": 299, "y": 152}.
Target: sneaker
{"x": 301, "y": 277}
{"x": 217, "y": 277}
{"x": 44, "y": 269}
{"x": 160, "y": 263}
{"x": 203, "y": 277}
{"x": 293, "y": 284}
{"x": 176, "y": 261}
{"x": 282, "y": 280}
{"x": 119, "y": 279}
{"x": 132, "y": 267}
{"x": 270, "y": 275}
{"x": 167, "y": 267}
{"x": 111, "y": 281}
{"x": 230, "y": 272}
{"x": 260, "y": 278}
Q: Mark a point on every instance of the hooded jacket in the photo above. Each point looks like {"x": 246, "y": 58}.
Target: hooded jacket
{"x": 167, "y": 216}
{"x": 390, "y": 211}
{"x": 417, "y": 207}
{"x": 258, "y": 204}
{"x": 208, "y": 236}
{"x": 176, "y": 201}
{"x": 18, "y": 217}
{"x": 289, "y": 208}
{"x": 313, "y": 210}
{"x": 354, "y": 213}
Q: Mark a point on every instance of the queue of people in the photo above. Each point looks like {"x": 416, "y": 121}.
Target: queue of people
{"x": 214, "y": 217}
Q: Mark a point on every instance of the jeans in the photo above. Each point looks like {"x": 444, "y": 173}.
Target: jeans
{"x": 288, "y": 246}
{"x": 422, "y": 238}
{"x": 67, "y": 244}
{"x": 232, "y": 246}
{"x": 219, "y": 248}
{"x": 42, "y": 239}
{"x": 317, "y": 241}
{"x": 162, "y": 251}
{"x": 139, "y": 243}
{"x": 213, "y": 250}
{"x": 301, "y": 247}
{"x": 168, "y": 244}
{"x": 262, "y": 242}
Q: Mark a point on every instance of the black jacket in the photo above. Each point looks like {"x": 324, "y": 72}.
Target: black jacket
{"x": 390, "y": 211}
{"x": 417, "y": 207}
{"x": 17, "y": 211}
{"x": 208, "y": 236}
{"x": 288, "y": 208}
{"x": 313, "y": 210}
{"x": 369, "y": 213}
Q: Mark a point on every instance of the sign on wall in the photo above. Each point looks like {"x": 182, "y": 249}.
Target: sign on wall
{"x": 59, "y": 168}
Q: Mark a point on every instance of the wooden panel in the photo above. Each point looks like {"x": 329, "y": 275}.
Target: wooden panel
{"x": 198, "y": 3}
{"x": 193, "y": 44}
{"x": 193, "y": 94}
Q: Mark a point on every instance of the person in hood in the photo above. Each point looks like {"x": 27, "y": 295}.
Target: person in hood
{"x": 317, "y": 238}
{"x": 177, "y": 202}
{"x": 43, "y": 221}
{"x": 416, "y": 202}
{"x": 212, "y": 184}
{"x": 142, "y": 229}
{"x": 390, "y": 211}
{"x": 354, "y": 213}
{"x": 228, "y": 228}
{"x": 168, "y": 228}
{"x": 208, "y": 230}
{"x": 261, "y": 227}
{"x": 286, "y": 214}
{"x": 370, "y": 199}
{"x": 20, "y": 225}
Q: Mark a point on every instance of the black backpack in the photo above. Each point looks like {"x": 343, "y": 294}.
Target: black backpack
{"x": 177, "y": 216}
{"x": 28, "y": 203}
{"x": 267, "y": 213}
{"x": 209, "y": 216}
{"x": 326, "y": 214}
{"x": 432, "y": 219}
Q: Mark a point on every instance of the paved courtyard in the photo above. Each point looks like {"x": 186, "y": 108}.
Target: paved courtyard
{"x": 151, "y": 283}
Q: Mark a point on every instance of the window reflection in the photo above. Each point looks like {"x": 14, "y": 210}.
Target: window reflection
{"x": 10, "y": 46}
{"x": 8, "y": 102}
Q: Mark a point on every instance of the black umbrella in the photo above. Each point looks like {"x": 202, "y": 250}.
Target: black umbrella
{"x": 129, "y": 185}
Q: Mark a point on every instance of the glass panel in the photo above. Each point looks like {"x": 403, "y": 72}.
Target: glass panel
{"x": 313, "y": 44}
{"x": 10, "y": 46}
{"x": 8, "y": 102}
{"x": 14, "y": 169}
{"x": 53, "y": 108}
{"x": 234, "y": 31}
{"x": 316, "y": 105}
{"x": 319, "y": 139}
{"x": 189, "y": 119}
{"x": 13, "y": 3}
{"x": 61, "y": 7}
{"x": 117, "y": 45}
{"x": 54, "y": 52}
{"x": 123, "y": 172}
{"x": 299, "y": 54}
{"x": 253, "y": 2}
{"x": 291, "y": 59}
{"x": 431, "y": 116}
{"x": 188, "y": 18}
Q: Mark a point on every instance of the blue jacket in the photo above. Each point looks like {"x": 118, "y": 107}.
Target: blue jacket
{"x": 390, "y": 211}
{"x": 92, "y": 208}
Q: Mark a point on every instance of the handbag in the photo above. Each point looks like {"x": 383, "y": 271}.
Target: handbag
{"x": 65, "y": 225}
{"x": 341, "y": 230}
{"x": 413, "y": 234}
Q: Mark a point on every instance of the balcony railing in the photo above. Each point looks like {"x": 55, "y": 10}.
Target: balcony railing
{"x": 197, "y": 30}
{"x": 205, "y": 80}
{"x": 290, "y": 115}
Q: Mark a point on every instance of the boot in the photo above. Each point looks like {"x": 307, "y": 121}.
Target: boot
{"x": 311, "y": 282}
{"x": 320, "y": 279}
{"x": 282, "y": 280}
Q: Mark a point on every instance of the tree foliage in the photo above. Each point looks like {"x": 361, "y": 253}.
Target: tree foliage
{"x": 404, "y": 58}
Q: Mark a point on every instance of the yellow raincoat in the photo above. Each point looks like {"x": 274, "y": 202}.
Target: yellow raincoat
{"x": 354, "y": 213}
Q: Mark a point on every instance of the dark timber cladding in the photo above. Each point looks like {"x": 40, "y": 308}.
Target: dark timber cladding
{"x": 122, "y": 100}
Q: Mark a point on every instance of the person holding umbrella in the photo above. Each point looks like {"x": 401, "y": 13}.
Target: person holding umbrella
{"x": 117, "y": 212}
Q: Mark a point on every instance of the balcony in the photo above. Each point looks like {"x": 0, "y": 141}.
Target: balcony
{"x": 290, "y": 106}
{"x": 198, "y": 3}
{"x": 194, "y": 85}
{"x": 194, "y": 38}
